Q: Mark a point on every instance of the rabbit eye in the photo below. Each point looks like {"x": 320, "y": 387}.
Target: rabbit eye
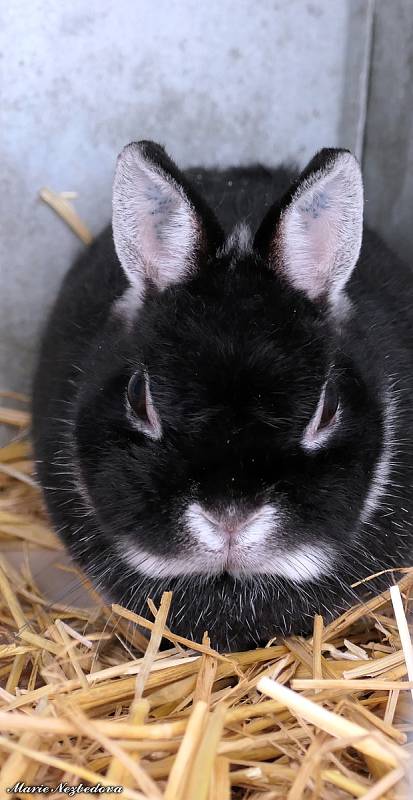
{"x": 330, "y": 406}
{"x": 327, "y": 414}
{"x": 142, "y": 412}
{"x": 137, "y": 395}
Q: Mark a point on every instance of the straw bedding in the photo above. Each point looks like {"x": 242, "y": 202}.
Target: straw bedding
{"x": 88, "y": 702}
{"x": 85, "y": 700}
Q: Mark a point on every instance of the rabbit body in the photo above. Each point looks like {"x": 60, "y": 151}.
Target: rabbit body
{"x": 225, "y": 415}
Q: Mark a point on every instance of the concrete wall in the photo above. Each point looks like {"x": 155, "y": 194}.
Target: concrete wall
{"x": 216, "y": 82}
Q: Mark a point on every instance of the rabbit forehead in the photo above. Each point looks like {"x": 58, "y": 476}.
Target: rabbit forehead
{"x": 272, "y": 369}
{"x": 239, "y": 319}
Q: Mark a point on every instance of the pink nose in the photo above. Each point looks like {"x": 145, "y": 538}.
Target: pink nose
{"x": 229, "y": 523}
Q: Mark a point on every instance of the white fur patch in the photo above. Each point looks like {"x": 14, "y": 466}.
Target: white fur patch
{"x": 126, "y": 307}
{"x": 155, "y": 229}
{"x": 162, "y": 566}
{"x": 248, "y": 551}
{"x": 382, "y": 471}
{"x": 239, "y": 242}
{"x": 210, "y": 531}
{"x": 300, "y": 564}
{"x": 321, "y": 230}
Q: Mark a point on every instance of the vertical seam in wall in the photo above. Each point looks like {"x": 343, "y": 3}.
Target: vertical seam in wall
{"x": 365, "y": 80}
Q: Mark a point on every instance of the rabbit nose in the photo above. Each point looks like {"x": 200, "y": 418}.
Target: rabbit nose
{"x": 230, "y": 529}
{"x": 229, "y": 522}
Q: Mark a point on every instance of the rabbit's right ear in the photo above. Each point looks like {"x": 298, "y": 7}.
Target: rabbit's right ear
{"x": 160, "y": 227}
{"x": 313, "y": 238}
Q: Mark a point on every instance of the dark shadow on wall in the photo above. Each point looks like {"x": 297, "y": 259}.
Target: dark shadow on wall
{"x": 388, "y": 141}
{"x": 377, "y": 114}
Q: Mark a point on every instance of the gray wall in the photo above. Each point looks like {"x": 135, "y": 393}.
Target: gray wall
{"x": 388, "y": 143}
{"x": 218, "y": 82}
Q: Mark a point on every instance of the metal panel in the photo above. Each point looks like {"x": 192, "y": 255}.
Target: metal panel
{"x": 388, "y": 147}
{"x": 218, "y": 83}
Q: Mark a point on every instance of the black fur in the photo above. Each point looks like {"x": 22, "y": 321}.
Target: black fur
{"x": 237, "y": 360}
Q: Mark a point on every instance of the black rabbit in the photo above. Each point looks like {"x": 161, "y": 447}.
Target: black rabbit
{"x": 229, "y": 414}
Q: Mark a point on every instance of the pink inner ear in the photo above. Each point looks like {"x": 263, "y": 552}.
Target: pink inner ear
{"x": 320, "y": 231}
{"x": 167, "y": 228}
{"x": 158, "y": 209}
{"x": 155, "y": 228}
{"x": 314, "y": 223}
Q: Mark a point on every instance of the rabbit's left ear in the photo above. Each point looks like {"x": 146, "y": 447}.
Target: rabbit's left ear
{"x": 313, "y": 238}
{"x": 161, "y": 228}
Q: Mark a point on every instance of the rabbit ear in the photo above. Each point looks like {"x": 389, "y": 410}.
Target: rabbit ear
{"x": 159, "y": 227}
{"x": 315, "y": 239}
